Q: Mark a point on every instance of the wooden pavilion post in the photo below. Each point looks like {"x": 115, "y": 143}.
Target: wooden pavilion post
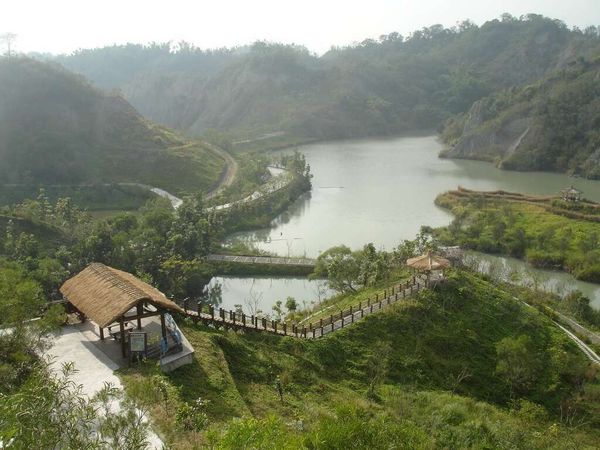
{"x": 122, "y": 330}
{"x": 163, "y": 326}
{"x": 101, "y": 333}
{"x": 140, "y": 311}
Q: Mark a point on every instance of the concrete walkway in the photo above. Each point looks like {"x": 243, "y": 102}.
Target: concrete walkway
{"x": 77, "y": 343}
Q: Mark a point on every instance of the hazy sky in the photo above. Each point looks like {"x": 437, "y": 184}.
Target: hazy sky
{"x": 59, "y": 26}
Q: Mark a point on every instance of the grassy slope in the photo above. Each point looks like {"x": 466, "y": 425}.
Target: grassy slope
{"x": 431, "y": 341}
{"x": 58, "y": 130}
{"x": 546, "y": 232}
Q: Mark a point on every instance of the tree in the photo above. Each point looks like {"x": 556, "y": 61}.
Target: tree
{"x": 8, "y": 39}
{"x": 340, "y": 266}
{"x": 377, "y": 367}
{"x": 291, "y": 304}
{"x": 53, "y": 412}
{"x": 277, "y": 309}
{"x": 517, "y": 363}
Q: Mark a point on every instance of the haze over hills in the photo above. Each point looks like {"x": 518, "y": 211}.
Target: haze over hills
{"x": 377, "y": 87}
{"x": 55, "y": 128}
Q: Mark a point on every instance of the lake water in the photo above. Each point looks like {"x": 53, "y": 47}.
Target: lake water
{"x": 382, "y": 191}
{"x": 262, "y": 293}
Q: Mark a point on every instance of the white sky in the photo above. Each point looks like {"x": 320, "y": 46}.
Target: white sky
{"x": 60, "y": 26}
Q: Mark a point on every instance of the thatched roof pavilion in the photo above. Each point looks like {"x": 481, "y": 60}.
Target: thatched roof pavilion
{"x": 571, "y": 194}
{"x": 107, "y": 295}
{"x": 428, "y": 262}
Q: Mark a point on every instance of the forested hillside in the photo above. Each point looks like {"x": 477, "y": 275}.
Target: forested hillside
{"x": 548, "y": 125}
{"x": 56, "y": 129}
{"x": 377, "y": 87}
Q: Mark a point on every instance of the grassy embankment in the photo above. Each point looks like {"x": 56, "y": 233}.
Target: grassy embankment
{"x": 420, "y": 374}
{"x": 545, "y": 231}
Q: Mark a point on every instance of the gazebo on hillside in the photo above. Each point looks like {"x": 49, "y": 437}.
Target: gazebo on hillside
{"x": 109, "y": 296}
{"x": 570, "y": 194}
{"x": 429, "y": 264}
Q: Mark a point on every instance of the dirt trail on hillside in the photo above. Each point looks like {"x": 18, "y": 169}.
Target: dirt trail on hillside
{"x": 228, "y": 174}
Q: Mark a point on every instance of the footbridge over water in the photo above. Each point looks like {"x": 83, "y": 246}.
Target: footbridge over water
{"x": 270, "y": 260}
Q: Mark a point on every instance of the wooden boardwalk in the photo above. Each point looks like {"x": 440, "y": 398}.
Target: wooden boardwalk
{"x": 209, "y": 315}
{"x": 277, "y": 261}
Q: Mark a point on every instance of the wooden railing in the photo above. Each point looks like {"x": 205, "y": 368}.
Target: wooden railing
{"x": 208, "y": 314}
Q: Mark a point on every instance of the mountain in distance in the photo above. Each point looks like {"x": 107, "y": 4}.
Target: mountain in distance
{"x": 377, "y": 87}
{"x": 551, "y": 125}
{"x": 56, "y": 129}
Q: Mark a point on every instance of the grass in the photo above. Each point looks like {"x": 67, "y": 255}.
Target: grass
{"x": 343, "y": 301}
{"x": 546, "y": 232}
{"x": 438, "y": 385}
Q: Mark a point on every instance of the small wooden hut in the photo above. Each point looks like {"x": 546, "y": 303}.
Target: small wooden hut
{"x": 109, "y": 296}
{"x": 570, "y": 194}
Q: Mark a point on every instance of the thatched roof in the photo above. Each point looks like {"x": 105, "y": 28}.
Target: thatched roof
{"x": 428, "y": 262}
{"x": 104, "y": 294}
{"x": 571, "y": 190}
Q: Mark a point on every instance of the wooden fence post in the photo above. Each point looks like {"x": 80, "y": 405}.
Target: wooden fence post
{"x": 212, "y": 312}
{"x": 377, "y": 297}
{"x": 369, "y": 302}
{"x": 264, "y": 323}
{"x": 285, "y": 328}
{"x": 222, "y": 314}
{"x": 274, "y": 325}
{"x": 314, "y": 332}
{"x": 243, "y": 319}
{"x": 331, "y": 318}
{"x": 351, "y": 315}
{"x": 321, "y": 324}
{"x": 232, "y": 315}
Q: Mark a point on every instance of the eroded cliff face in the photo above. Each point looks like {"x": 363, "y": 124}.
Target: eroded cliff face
{"x": 551, "y": 125}
{"x": 488, "y": 140}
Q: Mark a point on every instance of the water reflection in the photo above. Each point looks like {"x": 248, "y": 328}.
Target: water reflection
{"x": 515, "y": 270}
{"x": 261, "y": 293}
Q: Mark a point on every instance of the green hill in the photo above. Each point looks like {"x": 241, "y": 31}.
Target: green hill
{"x": 379, "y": 86}
{"x": 425, "y": 373}
{"x": 55, "y": 129}
{"x": 550, "y": 125}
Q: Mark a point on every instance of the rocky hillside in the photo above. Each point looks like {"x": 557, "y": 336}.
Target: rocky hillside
{"x": 377, "y": 87}
{"x": 550, "y": 125}
{"x": 57, "y": 129}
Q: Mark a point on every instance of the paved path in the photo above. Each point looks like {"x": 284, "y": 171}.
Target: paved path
{"x": 589, "y": 353}
{"x": 94, "y": 367}
{"x": 228, "y": 175}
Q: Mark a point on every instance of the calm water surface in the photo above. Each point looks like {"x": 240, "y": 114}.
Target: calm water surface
{"x": 382, "y": 191}
{"x": 263, "y": 292}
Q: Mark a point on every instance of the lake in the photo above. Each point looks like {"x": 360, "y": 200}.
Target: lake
{"x": 382, "y": 191}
